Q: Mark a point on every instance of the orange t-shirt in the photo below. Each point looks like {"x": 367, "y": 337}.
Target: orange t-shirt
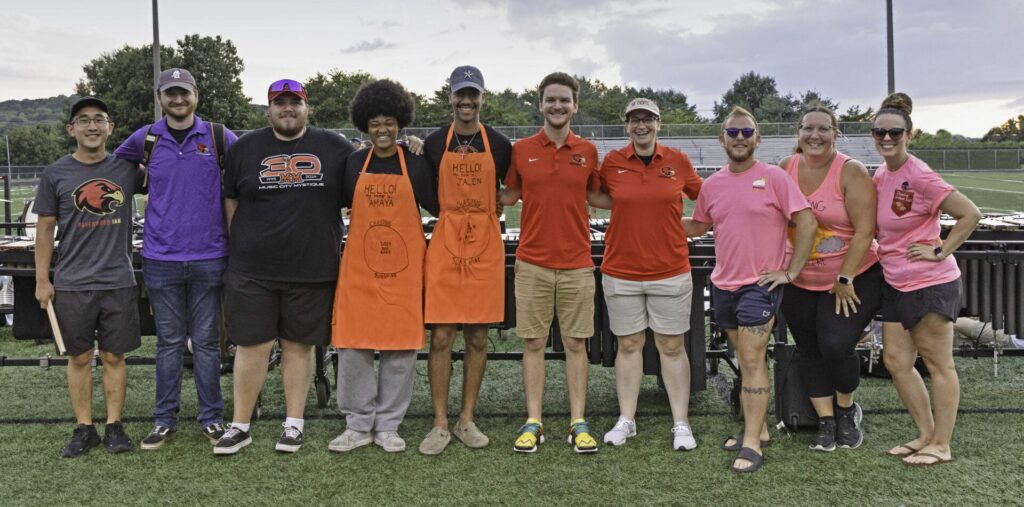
{"x": 645, "y": 238}
{"x": 554, "y": 226}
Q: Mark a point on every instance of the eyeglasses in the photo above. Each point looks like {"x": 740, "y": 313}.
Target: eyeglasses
{"x": 811, "y": 129}
{"x": 286, "y": 85}
{"x": 734, "y": 132}
{"x": 894, "y": 134}
{"x": 647, "y": 120}
{"x": 85, "y": 122}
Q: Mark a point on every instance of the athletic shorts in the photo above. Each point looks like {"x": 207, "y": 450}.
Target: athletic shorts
{"x": 908, "y": 308}
{"x": 750, "y": 305}
{"x": 662, "y": 305}
{"x": 258, "y": 311}
{"x": 109, "y": 317}
{"x": 543, "y": 292}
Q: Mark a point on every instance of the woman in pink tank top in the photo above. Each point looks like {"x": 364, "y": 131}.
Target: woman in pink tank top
{"x": 921, "y": 294}
{"x": 839, "y": 290}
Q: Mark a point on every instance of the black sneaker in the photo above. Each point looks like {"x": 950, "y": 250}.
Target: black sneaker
{"x": 290, "y": 441}
{"x": 115, "y": 439}
{"x": 233, "y": 441}
{"x": 82, "y": 439}
{"x": 214, "y": 432}
{"x": 825, "y": 440}
{"x": 156, "y": 437}
{"x": 848, "y": 430}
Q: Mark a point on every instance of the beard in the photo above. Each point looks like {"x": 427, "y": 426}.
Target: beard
{"x": 288, "y": 126}
{"x": 739, "y": 156}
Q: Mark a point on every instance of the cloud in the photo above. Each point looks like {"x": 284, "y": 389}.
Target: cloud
{"x": 367, "y": 45}
{"x": 1017, "y": 104}
{"x": 944, "y": 50}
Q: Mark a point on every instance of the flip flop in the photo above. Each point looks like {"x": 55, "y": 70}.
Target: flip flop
{"x": 901, "y": 454}
{"x": 736, "y": 446}
{"x": 938, "y": 460}
{"x": 755, "y": 459}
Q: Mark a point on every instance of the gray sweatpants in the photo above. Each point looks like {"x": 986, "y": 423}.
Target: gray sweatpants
{"x": 375, "y": 402}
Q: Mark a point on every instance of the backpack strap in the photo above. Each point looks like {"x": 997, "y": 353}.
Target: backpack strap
{"x": 218, "y": 143}
{"x": 218, "y": 147}
{"x": 147, "y": 153}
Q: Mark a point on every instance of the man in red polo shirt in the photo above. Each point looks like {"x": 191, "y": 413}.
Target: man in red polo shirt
{"x": 554, "y": 172}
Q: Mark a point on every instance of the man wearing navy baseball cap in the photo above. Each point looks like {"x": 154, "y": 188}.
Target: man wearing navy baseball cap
{"x": 465, "y": 261}
{"x": 184, "y": 250}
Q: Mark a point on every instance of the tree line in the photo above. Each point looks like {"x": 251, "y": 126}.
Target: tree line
{"x": 123, "y": 78}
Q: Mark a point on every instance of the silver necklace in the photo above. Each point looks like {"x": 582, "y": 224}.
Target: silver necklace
{"x": 464, "y": 146}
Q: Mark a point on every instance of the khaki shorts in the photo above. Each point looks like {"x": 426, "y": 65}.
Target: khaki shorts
{"x": 662, "y": 305}
{"x": 542, "y": 292}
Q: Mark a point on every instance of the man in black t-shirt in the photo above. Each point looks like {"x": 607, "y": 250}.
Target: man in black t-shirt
{"x": 90, "y": 195}
{"x": 282, "y": 195}
{"x": 465, "y": 260}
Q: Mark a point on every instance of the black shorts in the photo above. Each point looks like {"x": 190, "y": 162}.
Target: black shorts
{"x": 908, "y": 308}
{"x": 258, "y": 311}
{"x": 110, "y": 317}
{"x": 750, "y": 305}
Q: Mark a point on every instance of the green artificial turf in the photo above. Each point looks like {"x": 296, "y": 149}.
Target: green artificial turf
{"x": 35, "y": 421}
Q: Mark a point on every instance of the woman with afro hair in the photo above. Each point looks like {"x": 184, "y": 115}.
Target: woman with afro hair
{"x": 378, "y": 302}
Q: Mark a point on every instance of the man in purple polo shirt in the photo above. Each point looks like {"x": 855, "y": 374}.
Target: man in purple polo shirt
{"x": 184, "y": 252}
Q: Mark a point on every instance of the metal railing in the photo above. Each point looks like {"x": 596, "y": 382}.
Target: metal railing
{"x": 952, "y": 159}
{"x": 619, "y": 131}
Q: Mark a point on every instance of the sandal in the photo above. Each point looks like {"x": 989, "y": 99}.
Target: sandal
{"x": 738, "y": 444}
{"x": 939, "y": 460}
{"x": 755, "y": 459}
{"x": 910, "y": 450}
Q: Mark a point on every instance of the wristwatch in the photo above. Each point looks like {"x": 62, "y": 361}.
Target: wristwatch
{"x": 938, "y": 252}
{"x": 845, "y": 280}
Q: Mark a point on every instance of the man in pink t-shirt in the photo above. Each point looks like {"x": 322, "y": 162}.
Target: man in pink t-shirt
{"x": 750, "y": 204}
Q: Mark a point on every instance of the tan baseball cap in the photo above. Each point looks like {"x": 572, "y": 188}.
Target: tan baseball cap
{"x": 643, "y": 104}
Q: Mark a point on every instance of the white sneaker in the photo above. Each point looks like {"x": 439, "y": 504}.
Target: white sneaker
{"x": 389, "y": 441}
{"x": 622, "y": 430}
{"x": 682, "y": 437}
{"x": 349, "y": 440}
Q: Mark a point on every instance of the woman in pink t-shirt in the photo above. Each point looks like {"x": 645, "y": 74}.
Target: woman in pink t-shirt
{"x": 921, "y": 294}
{"x": 839, "y": 290}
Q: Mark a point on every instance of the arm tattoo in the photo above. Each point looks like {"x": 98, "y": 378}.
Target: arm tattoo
{"x": 755, "y": 390}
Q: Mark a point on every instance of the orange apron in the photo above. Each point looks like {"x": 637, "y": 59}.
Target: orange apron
{"x": 378, "y": 302}
{"x": 465, "y": 265}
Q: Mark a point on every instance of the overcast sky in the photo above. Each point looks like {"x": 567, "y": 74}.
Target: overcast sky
{"x": 960, "y": 61}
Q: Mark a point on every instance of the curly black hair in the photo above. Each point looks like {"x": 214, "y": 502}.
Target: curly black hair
{"x": 381, "y": 98}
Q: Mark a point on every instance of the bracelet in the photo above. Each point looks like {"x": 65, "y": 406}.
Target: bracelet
{"x": 788, "y": 278}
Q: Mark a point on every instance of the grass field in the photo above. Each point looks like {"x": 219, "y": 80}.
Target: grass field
{"x": 35, "y": 422}
{"x": 993, "y": 192}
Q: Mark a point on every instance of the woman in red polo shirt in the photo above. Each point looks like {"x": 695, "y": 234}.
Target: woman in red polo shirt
{"x": 646, "y": 267}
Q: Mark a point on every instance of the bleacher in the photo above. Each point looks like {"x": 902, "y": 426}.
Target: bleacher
{"x": 707, "y": 154}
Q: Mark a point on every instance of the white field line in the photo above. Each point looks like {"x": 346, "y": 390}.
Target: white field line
{"x": 980, "y": 189}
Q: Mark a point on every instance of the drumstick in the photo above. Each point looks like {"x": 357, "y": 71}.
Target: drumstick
{"x": 56, "y": 329}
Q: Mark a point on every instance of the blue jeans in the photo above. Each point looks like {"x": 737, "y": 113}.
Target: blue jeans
{"x": 185, "y": 296}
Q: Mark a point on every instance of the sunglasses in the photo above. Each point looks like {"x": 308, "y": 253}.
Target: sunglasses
{"x": 734, "y": 132}
{"x": 286, "y": 85}
{"x": 894, "y": 134}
